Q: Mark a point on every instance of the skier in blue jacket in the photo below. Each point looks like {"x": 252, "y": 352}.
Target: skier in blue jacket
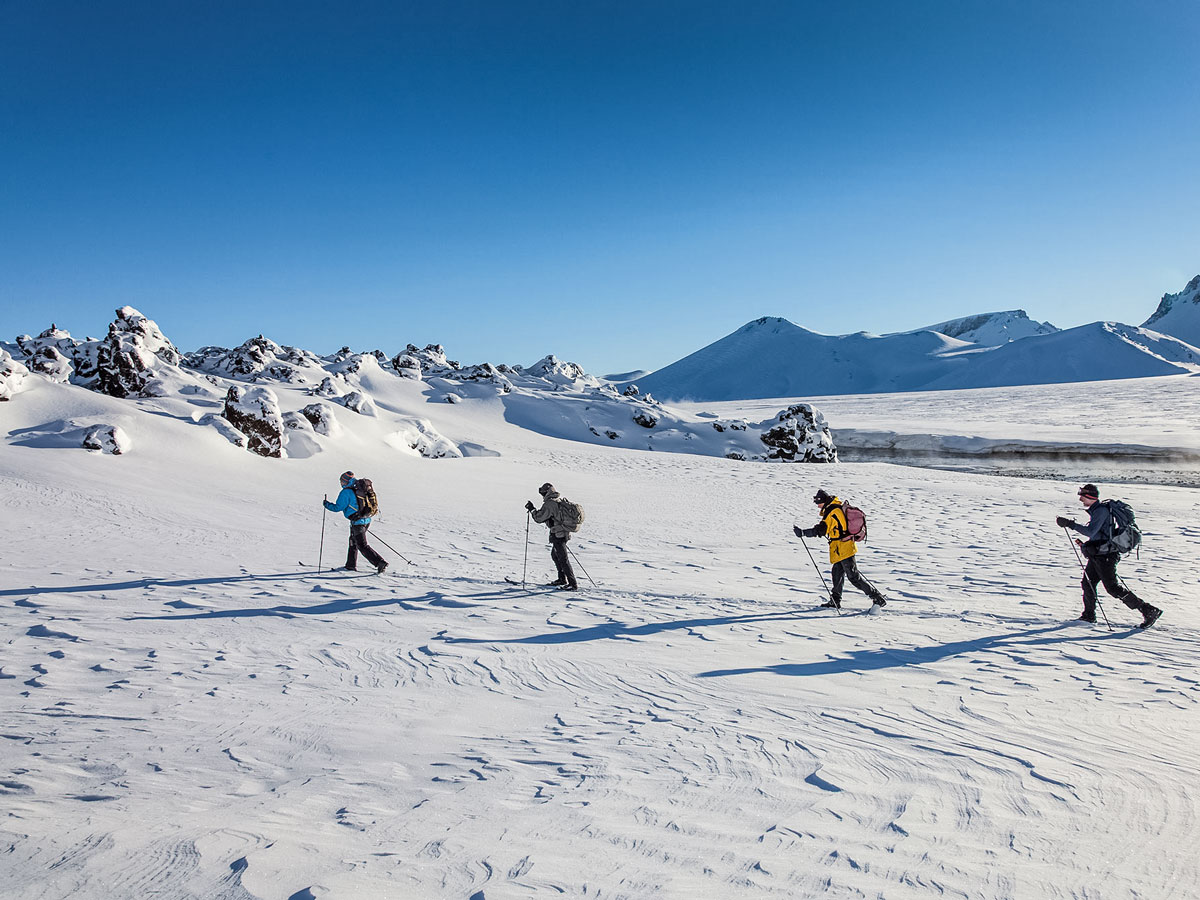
{"x": 347, "y": 505}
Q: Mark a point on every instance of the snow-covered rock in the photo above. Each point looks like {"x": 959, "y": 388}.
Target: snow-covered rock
{"x": 800, "y": 434}
{"x": 254, "y": 411}
{"x": 107, "y": 439}
{"x": 12, "y": 375}
{"x": 133, "y": 355}
{"x": 357, "y": 401}
{"x": 224, "y": 428}
{"x": 1179, "y": 314}
{"x": 420, "y": 437}
{"x": 558, "y": 371}
{"x": 258, "y": 359}
{"x": 322, "y": 419}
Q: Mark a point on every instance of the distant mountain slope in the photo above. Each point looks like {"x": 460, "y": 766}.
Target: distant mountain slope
{"x": 772, "y": 357}
{"x": 992, "y": 329}
{"x": 1179, "y": 314}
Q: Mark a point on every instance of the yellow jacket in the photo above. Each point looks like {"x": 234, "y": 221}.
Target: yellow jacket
{"x": 834, "y": 520}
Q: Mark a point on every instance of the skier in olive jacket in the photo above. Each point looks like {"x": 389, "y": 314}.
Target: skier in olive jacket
{"x": 842, "y": 549}
{"x": 1102, "y": 559}
{"x": 559, "y": 535}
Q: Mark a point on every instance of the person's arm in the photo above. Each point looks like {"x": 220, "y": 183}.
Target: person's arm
{"x": 1097, "y": 526}
{"x": 346, "y": 500}
{"x": 543, "y": 514}
{"x": 817, "y": 530}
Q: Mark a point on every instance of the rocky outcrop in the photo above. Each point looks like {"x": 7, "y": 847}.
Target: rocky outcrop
{"x": 258, "y": 359}
{"x": 800, "y": 434}
{"x": 12, "y": 375}
{"x": 107, "y": 439}
{"x": 127, "y": 359}
{"x": 254, "y": 411}
{"x": 322, "y": 419}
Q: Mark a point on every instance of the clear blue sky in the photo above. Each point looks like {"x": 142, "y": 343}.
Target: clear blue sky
{"x": 617, "y": 183}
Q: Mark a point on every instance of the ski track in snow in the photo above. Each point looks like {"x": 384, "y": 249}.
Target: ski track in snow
{"x": 692, "y": 727}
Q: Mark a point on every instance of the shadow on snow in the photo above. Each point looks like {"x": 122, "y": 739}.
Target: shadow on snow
{"x": 871, "y": 660}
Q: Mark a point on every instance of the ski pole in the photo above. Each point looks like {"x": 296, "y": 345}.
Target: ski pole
{"x": 321, "y": 552}
{"x": 394, "y": 550}
{"x": 578, "y": 563}
{"x": 1083, "y": 569}
{"x": 820, "y": 575}
{"x": 525, "y": 565}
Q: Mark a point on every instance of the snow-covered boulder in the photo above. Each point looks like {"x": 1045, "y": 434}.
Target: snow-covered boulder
{"x": 800, "y": 434}
{"x": 419, "y": 436}
{"x": 407, "y": 366}
{"x": 357, "y": 401}
{"x": 296, "y": 421}
{"x": 258, "y": 359}
{"x": 129, "y": 358}
{"x": 107, "y": 439}
{"x": 254, "y": 411}
{"x": 326, "y": 389}
{"x": 225, "y": 429}
{"x": 12, "y": 375}
{"x": 554, "y": 370}
{"x": 1179, "y": 314}
{"x": 322, "y": 419}
{"x": 645, "y": 418}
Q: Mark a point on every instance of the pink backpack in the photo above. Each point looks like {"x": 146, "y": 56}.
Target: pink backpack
{"x": 856, "y": 522}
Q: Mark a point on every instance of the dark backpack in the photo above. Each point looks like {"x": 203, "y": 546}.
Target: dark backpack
{"x": 856, "y": 522}
{"x": 1125, "y": 535}
{"x": 364, "y": 495}
{"x": 570, "y": 515}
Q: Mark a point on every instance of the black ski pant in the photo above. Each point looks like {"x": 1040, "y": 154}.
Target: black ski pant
{"x": 848, "y": 568}
{"x": 562, "y": 562}
{"x": 1103, "y": 568}
{"x": 358, "y": 541}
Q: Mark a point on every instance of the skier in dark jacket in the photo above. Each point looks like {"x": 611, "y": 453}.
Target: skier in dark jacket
{"x": 1102, "y": 559}
{"x": 559, "y": 535}
{"x": 842, "y": 550}
{"x": 347, "y": 505}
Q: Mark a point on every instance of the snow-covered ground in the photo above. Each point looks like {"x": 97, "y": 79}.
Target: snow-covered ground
{"x": 188, "y": 713}
{"x": 1137, "y": 429}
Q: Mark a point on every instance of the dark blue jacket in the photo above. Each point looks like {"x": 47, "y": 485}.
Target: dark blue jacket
{"x": 1098, "y": 529}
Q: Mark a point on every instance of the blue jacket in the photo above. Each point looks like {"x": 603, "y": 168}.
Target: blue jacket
{"x": 347, "y": 505}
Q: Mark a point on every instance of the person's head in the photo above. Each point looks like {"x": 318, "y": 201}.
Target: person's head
{"x": 346, "y": 478}
{"x": 546, "y": 489}
{"x": 1089, "y": 494}
{"x": 821, "y": 497}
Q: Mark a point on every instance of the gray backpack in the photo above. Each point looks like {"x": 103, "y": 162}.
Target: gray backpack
{"x": 570, "y": 515}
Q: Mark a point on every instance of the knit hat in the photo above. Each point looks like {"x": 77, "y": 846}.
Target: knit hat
{"x": 1089, "y": 490}
{"x": 346, "y": 477}
{"x": 546, "y": 488}
{"x": 822, "y": 496}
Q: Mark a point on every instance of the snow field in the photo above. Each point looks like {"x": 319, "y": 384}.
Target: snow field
{"x": 188, "y": 713}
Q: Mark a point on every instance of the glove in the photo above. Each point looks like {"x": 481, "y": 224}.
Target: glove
{"x": 798, "y": 530}
{"x": 529, "y": 505}
{"x": 1064, "y": 522}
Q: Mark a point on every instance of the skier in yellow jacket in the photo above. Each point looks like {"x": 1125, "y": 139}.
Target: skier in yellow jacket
{"x": 842, "y": 548}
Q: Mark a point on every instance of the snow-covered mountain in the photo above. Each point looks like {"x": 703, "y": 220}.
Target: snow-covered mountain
{"x": 772, "y": 357}
{"x": 991, "y": 329}
{"x": 280, "y": 401}
{"x": 1179, "y": 314}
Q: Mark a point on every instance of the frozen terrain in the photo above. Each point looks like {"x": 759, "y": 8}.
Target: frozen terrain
{"x": 186, "y": 712}
{"x": 1143, "y": 429}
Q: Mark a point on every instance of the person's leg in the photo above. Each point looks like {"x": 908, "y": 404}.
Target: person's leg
{"x": 562, "y": 561}
{"x": 838, "y": 576}
{"x": 1091, "y": 575}
{"x": 352, "y": 552}
{"x": 856, "y": 579}
{"x": 1107, "y": 566}
{"x": 367, "y": 550}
